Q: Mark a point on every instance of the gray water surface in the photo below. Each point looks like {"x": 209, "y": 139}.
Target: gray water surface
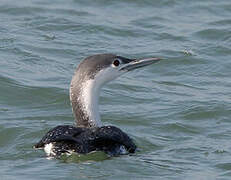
{"x": 177, "y": 111}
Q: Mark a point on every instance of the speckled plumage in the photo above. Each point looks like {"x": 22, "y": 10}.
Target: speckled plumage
{"x": 108, "y": 139}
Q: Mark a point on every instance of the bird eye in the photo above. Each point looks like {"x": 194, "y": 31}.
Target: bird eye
{"x": 116, "y": 63}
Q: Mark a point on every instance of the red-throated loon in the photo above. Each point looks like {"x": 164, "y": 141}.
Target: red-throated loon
{"x": 89, "y": 134}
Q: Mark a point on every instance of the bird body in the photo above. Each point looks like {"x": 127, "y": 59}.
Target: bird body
{"x": 69, "y": 139}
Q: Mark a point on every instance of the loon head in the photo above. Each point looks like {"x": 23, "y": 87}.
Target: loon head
{"x": 91, "y": 74}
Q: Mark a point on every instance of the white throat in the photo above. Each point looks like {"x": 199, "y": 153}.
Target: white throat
{"x": 89, "y": 99}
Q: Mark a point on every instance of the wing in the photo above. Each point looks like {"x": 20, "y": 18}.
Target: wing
{"x": 109, "y": 135}
{"x": 60, "y": 133}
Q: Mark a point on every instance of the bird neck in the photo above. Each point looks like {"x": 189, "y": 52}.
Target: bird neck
{"x": 85, "y": 102}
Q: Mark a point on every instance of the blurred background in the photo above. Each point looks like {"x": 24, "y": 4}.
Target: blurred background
{"x": 177, "y": 111}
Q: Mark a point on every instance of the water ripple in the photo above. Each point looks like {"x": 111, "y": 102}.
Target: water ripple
{"x": 177, "y": 110}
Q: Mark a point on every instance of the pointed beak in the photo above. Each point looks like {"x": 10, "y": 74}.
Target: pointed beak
{"x": 138, "y": 63}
